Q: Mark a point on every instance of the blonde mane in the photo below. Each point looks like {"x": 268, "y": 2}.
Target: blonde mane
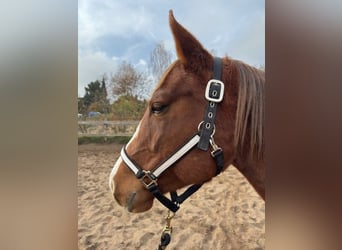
{"x": 250, "y": 112}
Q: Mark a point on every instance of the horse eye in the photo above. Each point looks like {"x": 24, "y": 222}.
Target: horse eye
{"x": 158, "y": 108}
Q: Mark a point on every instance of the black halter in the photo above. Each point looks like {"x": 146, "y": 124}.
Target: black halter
{"x": 205, "y": 136}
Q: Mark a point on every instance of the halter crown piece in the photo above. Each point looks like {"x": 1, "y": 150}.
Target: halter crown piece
{"x": 202, "y": 138}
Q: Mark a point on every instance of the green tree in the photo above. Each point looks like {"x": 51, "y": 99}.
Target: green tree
{"x": 103, "y": 102}
{"x": 128, "y": 108}
{"x": 95, "y": 98}
{"x": 81, "y": 106}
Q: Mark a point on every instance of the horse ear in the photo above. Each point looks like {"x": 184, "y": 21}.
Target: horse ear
{"x": 189, "y": 50}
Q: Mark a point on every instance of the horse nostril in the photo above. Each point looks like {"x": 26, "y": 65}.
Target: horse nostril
{"x": 130, "y": 201}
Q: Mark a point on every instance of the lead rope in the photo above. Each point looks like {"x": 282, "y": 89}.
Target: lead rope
{"x": 217, "y": 154}
{"x": 165, "y": 238}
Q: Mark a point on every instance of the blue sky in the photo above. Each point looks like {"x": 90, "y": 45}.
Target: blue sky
{"x": 112, "y": 31}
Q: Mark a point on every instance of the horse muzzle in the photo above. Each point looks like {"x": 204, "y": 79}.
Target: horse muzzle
{"x": 134, "y": 201}
{"x": 128, "y": 191}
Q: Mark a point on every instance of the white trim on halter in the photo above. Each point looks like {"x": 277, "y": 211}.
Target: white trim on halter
{"x": 119, "y": 160}
{"x": 128, "y": 162}
{"x": 179, "y": 154}
{"x": 168, "y": 163}
{"x": 113, "y": 172}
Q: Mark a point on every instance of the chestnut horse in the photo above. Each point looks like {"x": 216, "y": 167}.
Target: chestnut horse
{"x": 175, "y": 114}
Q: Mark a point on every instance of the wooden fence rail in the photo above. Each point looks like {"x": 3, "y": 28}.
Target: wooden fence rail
{"x": 106, "y": 128}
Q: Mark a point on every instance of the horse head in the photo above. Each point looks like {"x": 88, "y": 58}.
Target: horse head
{"x": 174, "y": 114}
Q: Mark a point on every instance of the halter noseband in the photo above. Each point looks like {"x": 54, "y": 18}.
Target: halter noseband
{"x": 205, "y": 136}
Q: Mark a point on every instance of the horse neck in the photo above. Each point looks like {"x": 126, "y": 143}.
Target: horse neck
{"x": 254, "y": 171}
{"x": 247, "y": 159}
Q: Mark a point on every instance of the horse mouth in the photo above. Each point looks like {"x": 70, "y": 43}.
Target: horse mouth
{"x": 130, "y": 202}
{"x": 135, "y": 205}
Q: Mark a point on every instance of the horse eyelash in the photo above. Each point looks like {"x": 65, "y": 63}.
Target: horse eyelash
{"x": 158, "y": 108}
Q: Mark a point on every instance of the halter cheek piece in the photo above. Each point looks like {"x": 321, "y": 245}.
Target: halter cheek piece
{"x": 205, "y": 136}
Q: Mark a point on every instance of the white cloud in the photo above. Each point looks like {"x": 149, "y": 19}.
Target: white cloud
{"x": 98, "y": 18}
{"x": 248, "y": 42}
{"x": 233, "y": 28}
{"x": 92, "y": 65}
{"x": 142, "y": 62}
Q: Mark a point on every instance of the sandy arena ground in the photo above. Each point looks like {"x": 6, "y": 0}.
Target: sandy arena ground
{"x": 224, "y": 214}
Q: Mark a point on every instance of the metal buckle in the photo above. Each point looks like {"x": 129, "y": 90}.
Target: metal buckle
{"x": 148, "y": 180}
{"x": 215, "y": 95}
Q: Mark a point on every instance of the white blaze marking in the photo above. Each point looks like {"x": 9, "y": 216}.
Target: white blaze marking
{"x": 134, "y": 135}
{"x": 119, "y": 161}
{"x": 112, "y": 174}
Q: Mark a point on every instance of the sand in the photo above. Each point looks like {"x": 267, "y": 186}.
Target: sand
{"x": 225, "y": 213}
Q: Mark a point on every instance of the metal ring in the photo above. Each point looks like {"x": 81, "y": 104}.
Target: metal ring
{"x": 199, "y": 126}
{"x": 211, "y": 104}
{"x": 214, "y": 129}
{"x": 207, "y": 125}
{"x": 210, "y": 114}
